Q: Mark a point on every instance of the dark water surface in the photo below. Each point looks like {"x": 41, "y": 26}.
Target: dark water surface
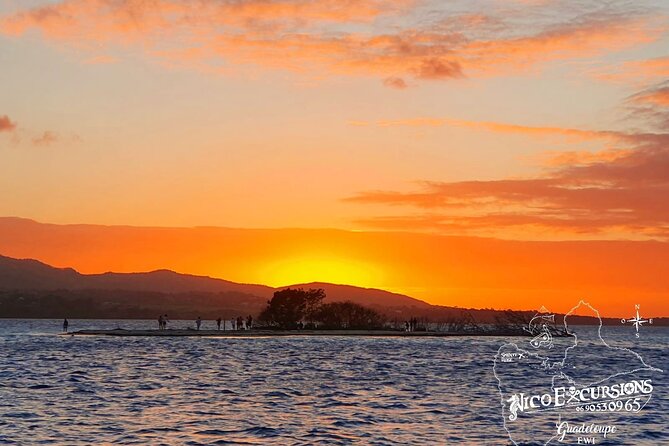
{"x": 268, "y": 391}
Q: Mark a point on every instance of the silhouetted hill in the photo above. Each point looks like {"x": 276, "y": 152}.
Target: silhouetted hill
{"x": 28, "y": 274}
{"x": 364, "y": 296}
{"x": 29, "y": 288}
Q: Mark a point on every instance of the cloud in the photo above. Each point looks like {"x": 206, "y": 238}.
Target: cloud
{"x": 395, "y": 82}
{"x": 439, "y": 69}
{"x": 656, "y": 96}
{"x": 499, "y": 127}
{"x": 574, "y": 157}
{"x": 585, "y": 36}
{"x": 346, "y": 37}
{"x": 6, "y": 125}
{"x": 46, "y": 138}
{"x": 646, "y": 70}
{"x": 102, "y": 59}
{"x": 128, "y": 21}
{"x": 619, "y": 192}
{"x": 650, "y": 107}
{"x": 490, "y": 224}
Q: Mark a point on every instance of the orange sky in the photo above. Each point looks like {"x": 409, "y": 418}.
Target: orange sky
{"x": 461, "y": 271}
{"x": 522, "y": 123}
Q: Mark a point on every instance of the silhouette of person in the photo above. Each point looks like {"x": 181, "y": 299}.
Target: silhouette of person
{"x": 198, "y": 322}
{"x": 232, "y": 324}
{"x": 161, "y": 322}
{"x": 65, "y": 325}
{"x": 249, "y": 322}
{"x": 240, "y": 323}
{"x": 406, "y": 325}
{"x": 218, "y": 323}
{"x": 165, "y": 321}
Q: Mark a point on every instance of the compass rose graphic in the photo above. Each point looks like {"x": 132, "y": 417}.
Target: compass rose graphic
{"x": 637, "y": 321}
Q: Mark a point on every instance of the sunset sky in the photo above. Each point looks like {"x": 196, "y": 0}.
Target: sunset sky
{"x": 475, "y": 153}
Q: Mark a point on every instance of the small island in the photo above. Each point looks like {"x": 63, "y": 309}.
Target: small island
{"x": 299, "y": 312}
{"x": 259, "y": 333}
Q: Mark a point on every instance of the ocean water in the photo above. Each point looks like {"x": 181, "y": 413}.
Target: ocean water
{"x": 271, "y": 391}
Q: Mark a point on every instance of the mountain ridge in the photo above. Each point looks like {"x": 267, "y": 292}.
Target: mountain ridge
{"x": 34, "y": 275}
{"x": 30, "y": 288}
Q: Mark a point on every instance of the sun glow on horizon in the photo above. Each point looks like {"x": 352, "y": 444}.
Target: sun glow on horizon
{"x": 319, "y": 268}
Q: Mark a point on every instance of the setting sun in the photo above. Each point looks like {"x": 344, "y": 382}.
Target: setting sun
{"x": 319, "y": 268}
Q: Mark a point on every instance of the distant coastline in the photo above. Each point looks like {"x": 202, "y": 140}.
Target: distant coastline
{"x": 281, "y": 333}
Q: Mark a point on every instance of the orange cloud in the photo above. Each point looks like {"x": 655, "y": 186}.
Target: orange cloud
{"x": 650, "y": 107}
{"x": 635, "y": 70}
{"x": 615, "y": 192}
{"x": 438, "y": 69}
{"x": 499, "y": 127}
{"x": 308, "y": 36}
{"x": 46, "y": 138}
{"x": 395, "y": 82}
{"x": 6, "y": 125}
{"x": 657, "y": 67}
{"x": 107, "y": 20}
{"x": 585, "y": 37}
{"x": 489, "y": 224}
{"x": 658, "y": 96}
{"x": 571, "y": 157}
{"x": 101, "y": 60}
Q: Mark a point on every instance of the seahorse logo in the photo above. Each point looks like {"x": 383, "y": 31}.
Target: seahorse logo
{"x": 514, "y": 405}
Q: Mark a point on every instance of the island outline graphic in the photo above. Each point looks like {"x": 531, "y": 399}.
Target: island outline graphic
{"x": 560, "y": 367}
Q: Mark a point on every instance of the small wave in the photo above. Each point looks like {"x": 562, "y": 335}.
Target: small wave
{"x": 262, "y": 431}
{"x": 21, "y": 415}
{"x": 217, "y": 432}
{"x": 277, "y": 394}
{"x": 351, "y": 423}
{"x": 337, "y": 404}
{"x": 258, "y": 431}
{"x": 158, "y": 430}
{"x": 389, "y": 406}
{"x": 436, "y": 412}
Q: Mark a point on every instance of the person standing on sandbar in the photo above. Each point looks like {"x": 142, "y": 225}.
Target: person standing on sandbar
{"x": 65, "y": 325}
{"x": 198, "y": 322}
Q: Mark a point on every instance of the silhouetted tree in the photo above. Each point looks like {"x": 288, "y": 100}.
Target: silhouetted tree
{"x": 465, "y": 322}
{"x": 290, "y": 306}
{"x": 348, "y": 315}
{"x": 512, "y": 321}
{"x": 314, "y": 300}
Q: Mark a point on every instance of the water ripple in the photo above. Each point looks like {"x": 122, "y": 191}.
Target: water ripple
{"x": 268, "y": 391}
